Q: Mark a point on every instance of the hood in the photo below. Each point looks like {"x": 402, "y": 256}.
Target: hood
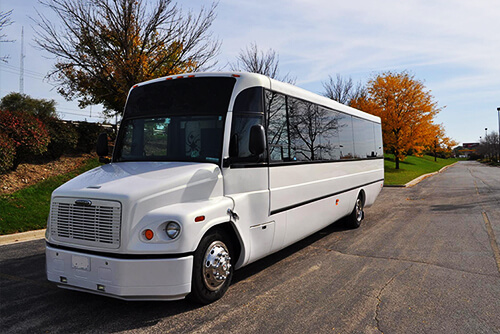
{"x": 138, "y": 181}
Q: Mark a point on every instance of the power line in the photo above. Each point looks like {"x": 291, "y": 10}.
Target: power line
{"x": 16, "y": 71}
{"x": 12, "y": 67}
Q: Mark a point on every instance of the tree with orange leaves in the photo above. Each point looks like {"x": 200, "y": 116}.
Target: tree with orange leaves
{"x": 407, "y": 111}
{"x": 104, "y": 47}
{"x": 441, "y": 144}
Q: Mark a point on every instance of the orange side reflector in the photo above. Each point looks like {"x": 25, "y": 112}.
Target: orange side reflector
{"x": 135, "y": 86}
{"x": 236, "y": 75}
{"x": 337, "y": 202}
{"x": 148, "y": 234}
{"x": 199, "y": 219}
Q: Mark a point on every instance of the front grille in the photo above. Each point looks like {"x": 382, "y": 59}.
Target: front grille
{"x": 97, "y": 224}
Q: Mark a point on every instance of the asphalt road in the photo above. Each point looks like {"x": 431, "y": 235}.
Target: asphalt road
{"x": 425, "y": 260}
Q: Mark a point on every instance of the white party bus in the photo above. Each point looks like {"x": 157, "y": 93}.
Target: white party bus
{"x": 210, "y": 172}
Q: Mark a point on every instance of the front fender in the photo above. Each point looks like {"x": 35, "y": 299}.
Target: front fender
{"x": 214, "y": 210}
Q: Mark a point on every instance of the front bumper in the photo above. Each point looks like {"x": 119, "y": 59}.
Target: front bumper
{"x": 129, "y": 279}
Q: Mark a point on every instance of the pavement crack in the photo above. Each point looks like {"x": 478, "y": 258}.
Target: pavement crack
{"x": 408, "y": 261}
{"x": 492, "y": 238}
{"x": 379, "y": 295}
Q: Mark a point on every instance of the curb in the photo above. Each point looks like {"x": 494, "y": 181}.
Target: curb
{"x": 21, "y": 237}
{"x": 419, "y": 179}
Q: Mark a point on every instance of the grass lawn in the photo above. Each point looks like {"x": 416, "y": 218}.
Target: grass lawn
{"x": 412, "y": 168}
{"x": 28, "y": 208}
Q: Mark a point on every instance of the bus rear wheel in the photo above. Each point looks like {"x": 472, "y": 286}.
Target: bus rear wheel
{"x": 357, "y": 214}
{"x": 212, "y": 268}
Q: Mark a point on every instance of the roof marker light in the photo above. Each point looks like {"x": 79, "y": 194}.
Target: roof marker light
{"x": 179, "y": 77}
{"x": 169, "y": 78}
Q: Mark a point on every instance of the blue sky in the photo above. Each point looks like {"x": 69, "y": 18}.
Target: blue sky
{"x": 451, "y": 45}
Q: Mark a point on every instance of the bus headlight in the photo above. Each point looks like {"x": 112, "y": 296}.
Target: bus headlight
{"x": 173, "y": 229}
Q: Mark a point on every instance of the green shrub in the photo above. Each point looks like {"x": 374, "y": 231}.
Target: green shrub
{"x": 87, "y": 136}
{"x": 27, "y": 133}
{"x": 63, "y": 137}
{"x": 7, "y": 152}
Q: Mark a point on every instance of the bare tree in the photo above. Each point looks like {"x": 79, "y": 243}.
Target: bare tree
{"x": 255, "y": 61}
{"x": 5, "y": 21}
{"x": 489, "y": 146}
{"x": 343, "y": 90}
{"x": 103, "y": 47}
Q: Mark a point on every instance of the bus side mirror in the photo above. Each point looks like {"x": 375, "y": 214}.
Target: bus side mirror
{"x": 257, "y": 144}
{"x": 102, "y": 147}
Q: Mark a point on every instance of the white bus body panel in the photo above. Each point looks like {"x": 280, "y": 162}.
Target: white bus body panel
{"x": 316, "y": 195}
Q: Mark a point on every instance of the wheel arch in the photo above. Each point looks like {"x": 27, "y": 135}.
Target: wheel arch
{"x": 362, "y": 194}
{"x": 231, "y": 231}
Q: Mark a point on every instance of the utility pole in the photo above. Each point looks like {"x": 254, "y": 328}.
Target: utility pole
{"x": 21, "y": 65}
{"x": 486, "y": 142}
{"x": 498, "y": 109}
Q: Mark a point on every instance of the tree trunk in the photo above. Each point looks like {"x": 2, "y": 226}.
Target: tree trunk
{"x": 397, "y": 162}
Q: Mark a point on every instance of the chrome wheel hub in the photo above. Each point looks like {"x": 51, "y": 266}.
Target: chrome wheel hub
{"x": 359, "y": 210}
{"x": 216, "y": 265}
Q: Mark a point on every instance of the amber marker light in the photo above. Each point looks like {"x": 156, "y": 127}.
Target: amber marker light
{"x": 149, "y": 234}
{"x": 179, "y": 77}
{"x": 236, "y": 75}
{"x": 199, "y": 219}
{"x": 169, "y": 78}
{"x": 337, "y": 202}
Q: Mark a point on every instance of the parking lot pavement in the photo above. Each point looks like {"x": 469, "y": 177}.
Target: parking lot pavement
{"x": 424, "y": 261}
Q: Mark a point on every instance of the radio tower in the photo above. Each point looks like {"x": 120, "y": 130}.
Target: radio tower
{"x": 21, "y": 66}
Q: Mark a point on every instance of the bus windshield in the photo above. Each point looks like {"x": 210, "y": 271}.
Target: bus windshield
{"x": 175, "y": 138}
{"x": 179, "y": 119}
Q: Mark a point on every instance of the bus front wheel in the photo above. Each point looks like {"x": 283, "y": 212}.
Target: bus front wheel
{"x": 212, "y": 268}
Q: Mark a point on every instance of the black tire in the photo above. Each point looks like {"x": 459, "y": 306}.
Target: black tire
{"x": 210, "y": 283}
{"x": 357, "y": 214}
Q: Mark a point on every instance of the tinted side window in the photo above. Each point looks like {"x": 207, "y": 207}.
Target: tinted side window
{"x": 301, "y": 119}
{"x": 379, "y": 150}
{"x": 364, "y": 139}
{"x": 249, "y": 100}
{"x": 328, "y": 145}
{"x": 345, "y": 136}
{"x": 240, "y": 136}
{"x": 277, "y": 127}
